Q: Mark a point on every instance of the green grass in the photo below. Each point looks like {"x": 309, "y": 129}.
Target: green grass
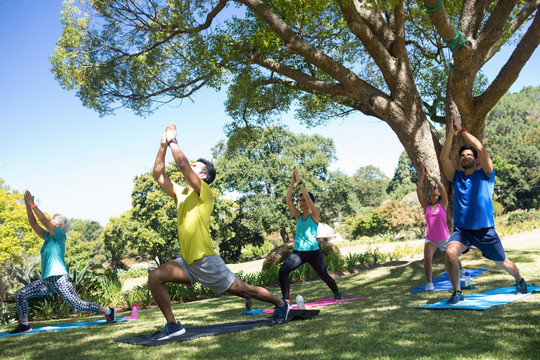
{"x": 383, "y": 325}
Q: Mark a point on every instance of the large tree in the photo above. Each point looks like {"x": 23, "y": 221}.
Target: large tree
{"x": 389, "y": 60}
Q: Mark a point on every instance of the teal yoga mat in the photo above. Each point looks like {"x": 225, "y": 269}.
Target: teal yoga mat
{"x": 490, "y": 298}
{"x": 443, "y": 281}
{"x": 64, "y": 327}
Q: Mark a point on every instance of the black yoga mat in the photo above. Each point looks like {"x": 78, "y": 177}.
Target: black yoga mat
{"x": 217, "y": 329}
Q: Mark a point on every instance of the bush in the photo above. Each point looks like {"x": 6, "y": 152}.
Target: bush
{"x": 520, "y": 216}
{"x": 498, "y": 209}
{"x": 251, "y": 251}
{"x": 370, "y": 225}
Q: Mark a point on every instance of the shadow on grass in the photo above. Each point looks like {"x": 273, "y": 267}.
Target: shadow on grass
{"x": 384, "y": 324}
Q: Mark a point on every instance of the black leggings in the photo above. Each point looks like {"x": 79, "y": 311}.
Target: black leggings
{"x": 53, "y": 284}
{"x": 315, "y": 259}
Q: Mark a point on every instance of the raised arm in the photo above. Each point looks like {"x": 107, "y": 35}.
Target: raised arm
{"x": 483, "y": 157}
{"x": 30, "y": 208}
{"x": 442, "y": 190}
{"x": 288, "y": 198}
{"x": 447, "y": 165}
{"x": 421, "y": 198}
{"x": 192, "y": 178}
{"x": 159, "y": 169}
{"x": 315, "y": 214}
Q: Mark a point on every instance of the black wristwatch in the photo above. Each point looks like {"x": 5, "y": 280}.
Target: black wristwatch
{"x": 172, "y": 140}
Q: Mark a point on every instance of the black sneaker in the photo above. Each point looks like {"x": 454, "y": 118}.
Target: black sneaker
{"x": 281, "y": 312}
{"x": 20, "y": 329}
{"x": 521, "y": 286}
{"x": 455, "y": 299}
{"x": 112, "y": 316}
{"x": 170, "y": 330}
{"x": 338, "y": 296}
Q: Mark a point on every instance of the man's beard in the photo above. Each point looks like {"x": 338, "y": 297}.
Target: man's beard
{"x": 468, "y": 166}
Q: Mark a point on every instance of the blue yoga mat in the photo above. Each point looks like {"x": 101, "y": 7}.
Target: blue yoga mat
{"x": 492, "y": 297}
{"x": 443, "y": 281}
{"x": 62, "y": 327}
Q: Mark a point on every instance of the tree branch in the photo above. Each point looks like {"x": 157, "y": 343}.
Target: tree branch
{"x": 510, "y": 71}
{"x": 515, "y": 24}
{"x": 441, "y": 20}
{"x": 371, "y": 29}
{"x": 209, "y": 18}
{"x": 313, "y": 55}
{"x": 492, "y": 31}
{"x": 472, "y": 14}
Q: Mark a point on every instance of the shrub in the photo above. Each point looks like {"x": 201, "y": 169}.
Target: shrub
{"x": 370, "y": 225}
{"x": 498, "y": 209}
{"x": 519, "y": 216}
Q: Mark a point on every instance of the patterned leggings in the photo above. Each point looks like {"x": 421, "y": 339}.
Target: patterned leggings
{"x": 54, "y": 284}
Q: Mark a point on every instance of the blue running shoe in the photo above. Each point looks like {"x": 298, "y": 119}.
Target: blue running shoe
{"x": 521, "y": 286}
{"x": 170, "y": 330}
{"x": 455, "y": 299}
{"x": 281, "y": 312}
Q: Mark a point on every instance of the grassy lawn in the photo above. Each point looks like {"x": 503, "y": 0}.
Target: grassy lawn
{"x": 384, "y": 325}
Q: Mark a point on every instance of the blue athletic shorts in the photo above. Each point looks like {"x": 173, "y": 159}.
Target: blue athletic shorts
{"x": 485, "y": 239}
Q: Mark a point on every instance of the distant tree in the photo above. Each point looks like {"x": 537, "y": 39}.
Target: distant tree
{"x": 230, "y": 248}
{"x": 91, "y": 230}
{"x": 508, "y": 179}
{"x": 337, "y": 198}
{"x": 513, "y": 134}
{"x": 370, "y": 183}
{"x": 83, "y": 242}
{"x": 119, "y": 235}
{"x": 404, "y": 180}
{"x": 257, "y": 165}
{"x": 18, "y": 242}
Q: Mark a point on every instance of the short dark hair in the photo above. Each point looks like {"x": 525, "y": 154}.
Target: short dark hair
{"x": 468, "y": 147}
{"x": 310, "y": 195}
{"x": 209, "y": 170}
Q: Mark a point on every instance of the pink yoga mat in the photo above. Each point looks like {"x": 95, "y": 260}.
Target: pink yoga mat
{"x": 317, "y": 303}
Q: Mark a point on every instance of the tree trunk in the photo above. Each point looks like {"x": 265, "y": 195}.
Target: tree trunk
{"x": 3, "y": 296}
{"x": 284, "y": 235}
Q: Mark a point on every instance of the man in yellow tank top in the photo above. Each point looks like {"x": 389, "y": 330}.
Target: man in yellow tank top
{"x": 198, "y": 261}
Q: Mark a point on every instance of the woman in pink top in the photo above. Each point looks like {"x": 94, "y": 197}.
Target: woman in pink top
{"x": 436, "y": 227}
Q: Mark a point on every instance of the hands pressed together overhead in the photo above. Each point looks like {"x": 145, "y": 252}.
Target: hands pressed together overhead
{"x": 28, "y": 198}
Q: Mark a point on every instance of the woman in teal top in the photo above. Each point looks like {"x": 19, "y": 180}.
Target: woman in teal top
{"x": 54, "y": 275}
{"x": 306, "y": 248}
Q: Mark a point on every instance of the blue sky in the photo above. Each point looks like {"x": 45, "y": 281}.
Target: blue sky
{"x": 83, "y": 166}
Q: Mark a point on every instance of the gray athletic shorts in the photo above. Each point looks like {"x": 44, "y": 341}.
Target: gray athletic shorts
{"x": 441, "y": 245}
{"x": 210, "y": 271}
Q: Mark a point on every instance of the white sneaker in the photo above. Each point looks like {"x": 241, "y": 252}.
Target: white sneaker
{"x": 429, "y": 286}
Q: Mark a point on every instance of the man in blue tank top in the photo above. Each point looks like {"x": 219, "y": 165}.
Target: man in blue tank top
{"x": 474, "y": 223}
